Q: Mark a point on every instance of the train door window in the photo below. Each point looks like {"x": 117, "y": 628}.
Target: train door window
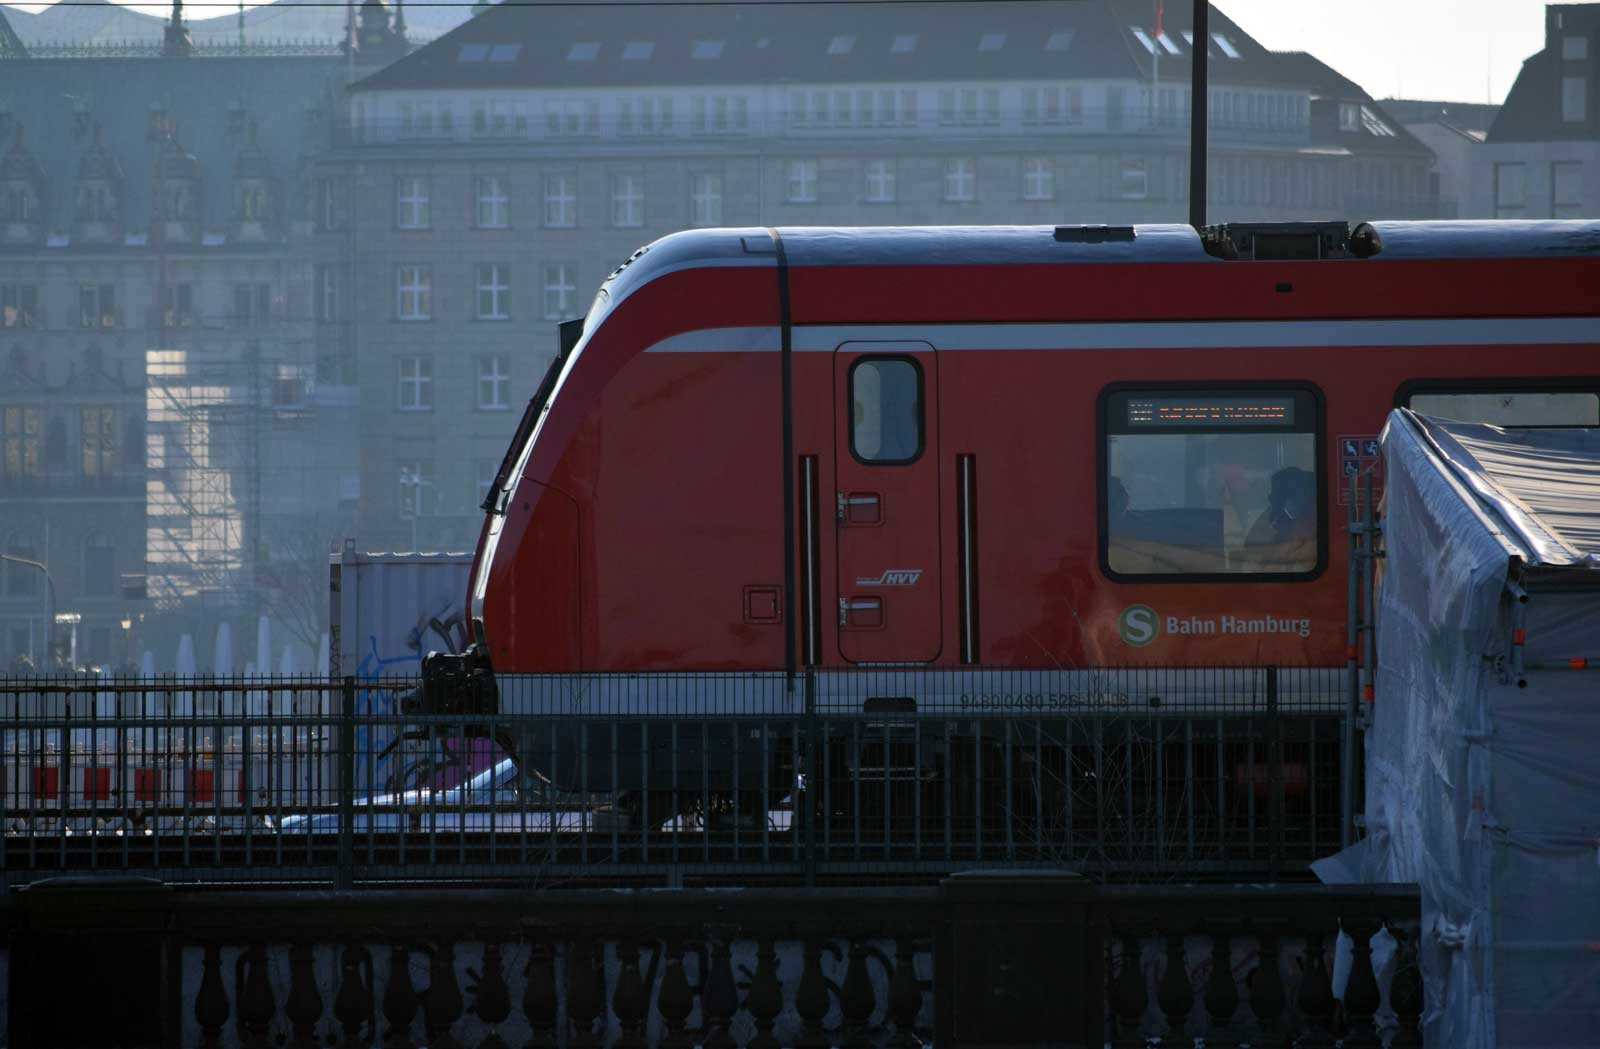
{"x": 1517, "y": 405}
{"x": 1211, "y": 483}
{"x": 886, "y": 410}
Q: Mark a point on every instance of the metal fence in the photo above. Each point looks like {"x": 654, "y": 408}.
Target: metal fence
{"x": 824, "y": 777}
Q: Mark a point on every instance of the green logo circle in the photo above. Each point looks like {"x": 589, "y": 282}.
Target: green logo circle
{"x": 1139, "y": 625}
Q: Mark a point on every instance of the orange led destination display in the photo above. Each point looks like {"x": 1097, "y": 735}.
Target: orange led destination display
{"x": 1199, "y": 410}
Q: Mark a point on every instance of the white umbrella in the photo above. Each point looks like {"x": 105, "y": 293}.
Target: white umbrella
{"x": 324, "y": 664}
{"x": 263, "y": 645}
{"x": 147, "y": 665}
{"x": 286, "y": 663}
{"x": 222, "y": 655}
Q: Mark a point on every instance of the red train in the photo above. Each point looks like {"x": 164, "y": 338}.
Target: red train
{"x": 1031, "y": 446}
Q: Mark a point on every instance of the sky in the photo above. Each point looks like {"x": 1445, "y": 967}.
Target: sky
{"x": 1450, "y": 50}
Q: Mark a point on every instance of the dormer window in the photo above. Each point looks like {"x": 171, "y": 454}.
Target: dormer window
{"x": 253, "y": 204}
{"x": 19, "y": 204}
{"x": 1349, "y": 116}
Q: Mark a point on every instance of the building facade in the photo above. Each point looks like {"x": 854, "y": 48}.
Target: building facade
{"x": 1541, "y": 158}
{"x": 165, "y": 428}
{"x": 487, "y": 183}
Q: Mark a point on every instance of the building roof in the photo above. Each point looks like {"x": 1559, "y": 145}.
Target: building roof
{"x": 1469, "y": 118}
{"x": 61, "y": 100}
{"x": 524, "y": 46}
{"x": 1532, "y": 110}
{"x": 11, "y": 46}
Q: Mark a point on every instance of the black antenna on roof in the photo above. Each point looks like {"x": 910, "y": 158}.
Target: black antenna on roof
{"x": 1199, "y": 109}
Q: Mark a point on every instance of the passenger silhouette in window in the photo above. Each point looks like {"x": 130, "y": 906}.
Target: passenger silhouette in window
{"x": 1284, "y": 536}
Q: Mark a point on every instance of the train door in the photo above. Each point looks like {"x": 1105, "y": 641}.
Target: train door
{"x": 886, "y": 455}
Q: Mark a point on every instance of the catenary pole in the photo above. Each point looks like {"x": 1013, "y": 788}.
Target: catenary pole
{"x": 1199, "y": 110}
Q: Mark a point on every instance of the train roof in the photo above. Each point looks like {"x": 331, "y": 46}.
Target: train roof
{"x": 1037, "y": 245}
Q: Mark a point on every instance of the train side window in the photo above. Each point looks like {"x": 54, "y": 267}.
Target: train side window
{"x": 1507, "y": 406}
{"x": 886, "y": 410}
{"x": 1211, "y": 483}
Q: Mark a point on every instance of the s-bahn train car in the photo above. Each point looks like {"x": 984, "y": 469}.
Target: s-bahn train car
{"x": 773, "y": 449}
{"x": 912, "y": 467}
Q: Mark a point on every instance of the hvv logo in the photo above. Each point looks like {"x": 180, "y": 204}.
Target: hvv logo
{"x": 892, "y": 577}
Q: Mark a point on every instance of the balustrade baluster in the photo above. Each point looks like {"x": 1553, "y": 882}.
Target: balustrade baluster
{"x": 719, "y": 997}
{"x": 304, "y": 1004}
{"x": 211, "y": 1000}
{"x": 1405, "y": 996}
{"x": 492, "y": 998}
{"x": 400, "y": 1000}
{"x": 1267, "y": 997}
{"x": 1129, "y": 996}
{"x": 1222, "y": 994}
{"x": 857, "y": 1000}
{"x": 764, "y": 1000}
{"x": 442, "y": 1002}
{"x": 586, "y": 991}
{"x": 630, "y": 999}
{"x": 811, "y": 999}
{"x": 905, "y": 994}
{"x": 353, "y": 1003}
{"x": 1175, "y": 994}
{"x": 1315, "y": 998}
{"x": 675, "y": 1000}
{"x": 1361, "y": 997}
{"x": 253, "y": 991}
{"x": 541, "y": 999}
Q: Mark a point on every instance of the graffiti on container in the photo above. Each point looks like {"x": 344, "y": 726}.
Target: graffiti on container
{"x": 446, "y": 760}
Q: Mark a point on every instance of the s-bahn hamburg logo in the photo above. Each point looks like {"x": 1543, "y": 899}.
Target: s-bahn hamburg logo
{"x": 892, "y": 577}
{"x": 1139, "y": 625}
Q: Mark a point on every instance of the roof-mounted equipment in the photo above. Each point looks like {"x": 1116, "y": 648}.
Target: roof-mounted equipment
{"x": 1281, "y": 241}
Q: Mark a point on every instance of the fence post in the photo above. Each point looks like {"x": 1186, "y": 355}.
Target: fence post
{"x": 1274, "y": 777}
{"x": 347, "y": 782}
{"x": 808, "y": 795}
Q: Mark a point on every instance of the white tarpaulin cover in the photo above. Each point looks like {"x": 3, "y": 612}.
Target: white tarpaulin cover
{"x": 1482, "y": 781}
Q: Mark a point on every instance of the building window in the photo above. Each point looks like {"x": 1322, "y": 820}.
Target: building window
{"x": 800, "y": 182}
{"x": 327, "y": 293}
{"x": 960, "y": 180}
{"x": 1574, "y": 48}
{"x": 327, "y": 204}
{"x": 19, "y": 305}
{"x": 627, "y": 200}
{"x": 1038, "y": 179}
{"x": 1566, "y": 189}
{"x": 1510, "y": 190}
{"x": 99, "y": 566}
{"x": 1574, "y": 99}
{"x": 1133, "y": 180}
{"x": 493, "y": 210}
{"x": 177, "y": 305}
{"x": 416, "y": 489}
{"x": 97, "y": 306}
{"x": 1211, "y": 482}
{"x": 1349, "y": 116}
{"x": 560, "y": 290}
{"x": 560, "y": 201}
{"x": 415, "y": 383}
{"x": 98, "y": 428}
{"x": 411, "y": 202}
{"x": 494, "y": 383}
{"x": 414, "y": 293}
{"x": 494, "y": 291}
{"x": 252, "y": 305}
{"x": 880, "y": 182}
{"x": 20, "y": 426}
{"x": 705, "y": 199}
{"x": 886, "y": 410}
{"x": 488, "y": 469}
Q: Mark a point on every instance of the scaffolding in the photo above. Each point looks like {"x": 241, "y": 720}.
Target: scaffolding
{"x": 203, "y": 486}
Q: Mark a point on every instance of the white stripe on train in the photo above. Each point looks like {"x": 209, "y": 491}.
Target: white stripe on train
{"x": 1498, "y": 331}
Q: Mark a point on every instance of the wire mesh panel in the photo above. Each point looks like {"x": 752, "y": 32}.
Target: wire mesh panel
{"x": 828, "y": 776}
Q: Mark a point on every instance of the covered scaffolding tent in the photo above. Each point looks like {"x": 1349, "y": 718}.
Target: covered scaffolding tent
{"x": 1483, "y": 777}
